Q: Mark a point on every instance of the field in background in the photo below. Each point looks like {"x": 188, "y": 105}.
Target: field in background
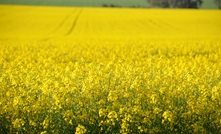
{"x": 97, "y": 70}
{"x": 59, "y": 22}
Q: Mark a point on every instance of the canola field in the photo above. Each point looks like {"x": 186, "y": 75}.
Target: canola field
{"x": 95, "y": 70}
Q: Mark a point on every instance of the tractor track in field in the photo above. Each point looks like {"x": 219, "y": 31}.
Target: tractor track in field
{"x": 162, "y": 24}
{"x": 74, "y": 23}
{"x": 62, "y": 22}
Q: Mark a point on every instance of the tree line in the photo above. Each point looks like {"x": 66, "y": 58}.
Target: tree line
{"x": 218, "y": 2}
{"x": 180, "y": 3}
{"x": 172, "y": 4}
{"x": 176, "y": 3}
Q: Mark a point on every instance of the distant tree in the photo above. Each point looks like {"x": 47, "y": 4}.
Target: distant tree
{"x": 218, "y": 2}
{"x": 176, "y": 3}
{"x": 159, "y": 3}
{"x": 111, "y": 5}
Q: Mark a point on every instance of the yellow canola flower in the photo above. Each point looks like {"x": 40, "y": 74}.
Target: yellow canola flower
{"x": 32, "y": 123}
{"x": 80, "y": 129}
{"x": 45, "y": 123}
{"x": 102, "y": 112}
{"x": 157, "y": 110}
{"x": 112, "y": 96}
{"x": 18, "y": 123}
{"x": 167, "y": 115}
{"x": 112, "y": 115}
{"x": 45, "y": 132}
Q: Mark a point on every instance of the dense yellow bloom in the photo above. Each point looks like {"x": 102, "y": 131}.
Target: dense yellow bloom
{"x": 95, "y": 70}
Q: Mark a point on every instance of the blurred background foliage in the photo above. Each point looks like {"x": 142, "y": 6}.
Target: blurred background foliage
{"x": 204, "y": 4}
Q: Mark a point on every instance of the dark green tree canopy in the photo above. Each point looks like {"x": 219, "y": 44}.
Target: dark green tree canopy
{"x": 218, "y": 2}
{"x": 176, "y": 3}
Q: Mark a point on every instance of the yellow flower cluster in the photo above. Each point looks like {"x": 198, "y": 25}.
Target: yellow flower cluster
{"x": 109, "y": 70}
{"x": 113, "y": 88}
